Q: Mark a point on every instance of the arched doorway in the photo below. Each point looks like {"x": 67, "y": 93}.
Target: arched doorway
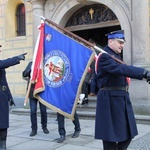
{"x": 93, "y": 21}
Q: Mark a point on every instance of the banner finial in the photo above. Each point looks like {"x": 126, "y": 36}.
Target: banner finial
{"x": 42, "y": 18}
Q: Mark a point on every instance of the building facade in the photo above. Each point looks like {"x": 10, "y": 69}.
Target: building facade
{"x": 87, "y": 19}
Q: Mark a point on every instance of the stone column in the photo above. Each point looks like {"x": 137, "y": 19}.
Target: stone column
{"x": 38, "y": 10}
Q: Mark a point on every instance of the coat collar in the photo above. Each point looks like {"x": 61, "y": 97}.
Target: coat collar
{"x": 111, "y": 52}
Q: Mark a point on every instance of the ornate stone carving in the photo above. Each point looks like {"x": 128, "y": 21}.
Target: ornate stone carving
{"x": 90, "y": 15}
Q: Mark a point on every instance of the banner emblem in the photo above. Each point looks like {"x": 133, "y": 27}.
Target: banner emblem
{"x": 56, "y": 68}
{"x": 48, "y": 37}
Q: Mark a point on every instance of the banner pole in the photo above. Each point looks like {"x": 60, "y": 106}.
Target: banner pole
{"x": 27, "y": 94}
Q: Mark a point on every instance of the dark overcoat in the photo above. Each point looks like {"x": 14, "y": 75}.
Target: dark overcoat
{"x": 5, "y": 95}
{"x": 115, "y": 119}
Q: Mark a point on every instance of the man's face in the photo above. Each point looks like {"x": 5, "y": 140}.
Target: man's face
{"x": 116, "y": 45}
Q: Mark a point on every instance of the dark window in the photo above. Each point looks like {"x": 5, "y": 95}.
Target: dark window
{"x": 21, "y": 24}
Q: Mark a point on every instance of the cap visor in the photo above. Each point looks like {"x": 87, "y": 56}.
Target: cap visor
{"x": 121, "y": 40}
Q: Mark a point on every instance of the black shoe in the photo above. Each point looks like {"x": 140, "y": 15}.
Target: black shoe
{"x": 45, "y": 130}
{"x": 61, "y": 139}
{"x": 33, "y": 133}
{"x": 76, "y": 134}
{"x": 86, "y": 101}
{"x": 83, "y": 102}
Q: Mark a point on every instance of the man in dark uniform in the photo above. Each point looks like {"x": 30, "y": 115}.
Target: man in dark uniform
{"x": 33, "y": 106}
{"x": 61, "y": 127}
{"x": 6, "y": 97}
{"x": 115, "y": 122}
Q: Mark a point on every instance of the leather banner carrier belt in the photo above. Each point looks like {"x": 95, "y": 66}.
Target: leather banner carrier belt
{"x": 115, "y": 88}
{"x": 3, "y": 88}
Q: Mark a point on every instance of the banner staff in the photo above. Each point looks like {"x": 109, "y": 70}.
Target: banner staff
{"x": 27, "y": 94}
{"x": 30, "y": 81}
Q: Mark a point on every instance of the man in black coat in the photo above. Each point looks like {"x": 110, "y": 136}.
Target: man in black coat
{"x": 33, "y": 106}
{"x": 115, "y": 122}
{"x": 6, "y": 97}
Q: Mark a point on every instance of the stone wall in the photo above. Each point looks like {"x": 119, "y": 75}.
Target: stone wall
{"x": 14, "y": 45}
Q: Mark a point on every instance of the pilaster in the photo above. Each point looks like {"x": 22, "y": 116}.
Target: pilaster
{"x": 38, "y": 10}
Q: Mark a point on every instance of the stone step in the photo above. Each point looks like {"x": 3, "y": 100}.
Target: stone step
{"x": 88, "y": 108}
{"x": 142, "y": 119}
{"x": 91, "y": 106}
{"x": 51, "y": 113}
{"x": 84, "y": 111}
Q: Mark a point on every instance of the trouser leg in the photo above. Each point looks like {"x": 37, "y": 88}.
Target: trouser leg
{"x": 107, "y": 145}
{"x": 3, "y": 137}
{"x": 116, "y": 146}
{"x": 33, "y": 113}
{"x": 92, "y": 87}
{"x": 93, "y": 84}
{"x": 85, "y": 89}
{"x": 43, "y": 111}
{"x": 61, "y": 124}
{"x": 76, "y": 122}
{"x": 123, "y": 145}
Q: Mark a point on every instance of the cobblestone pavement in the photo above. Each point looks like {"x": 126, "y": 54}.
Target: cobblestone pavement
{"x": 142, "y": 143}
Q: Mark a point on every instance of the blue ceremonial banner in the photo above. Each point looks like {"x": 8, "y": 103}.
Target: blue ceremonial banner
{"x": 64, "y": 65}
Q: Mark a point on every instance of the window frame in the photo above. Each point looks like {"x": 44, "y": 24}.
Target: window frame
{"x": 20, "y": 20}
